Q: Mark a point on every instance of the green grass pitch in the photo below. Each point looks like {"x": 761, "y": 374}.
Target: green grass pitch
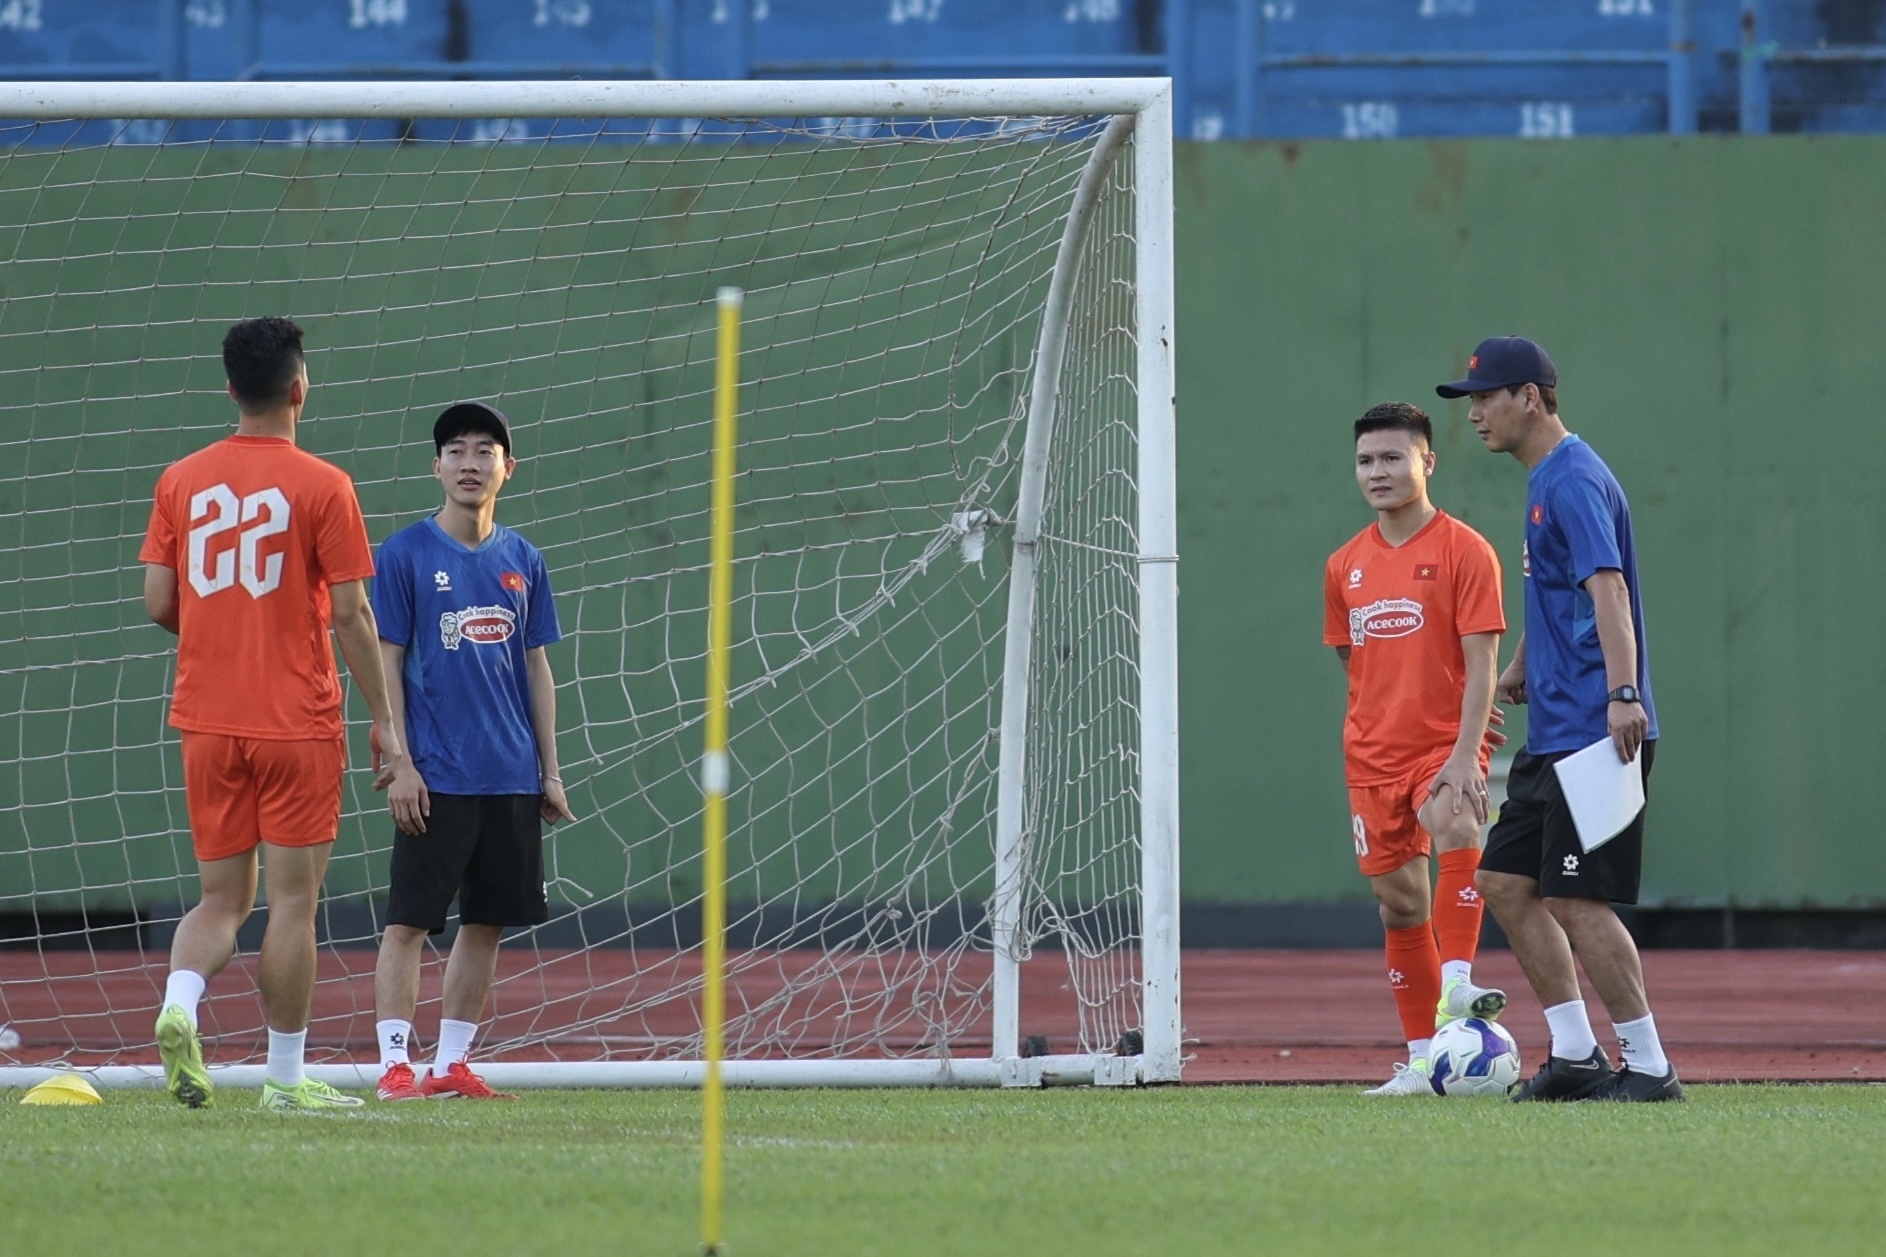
{"x": 1087, "y": 1173}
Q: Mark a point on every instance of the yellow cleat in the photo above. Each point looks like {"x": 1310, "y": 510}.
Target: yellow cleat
{"x": 1461, "y": 998}
{"x": 311, "y": 1096}
{"x": 185, "y": 1077}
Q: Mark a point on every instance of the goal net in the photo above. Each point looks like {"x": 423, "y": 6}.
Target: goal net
{"x": 952, "y": 814}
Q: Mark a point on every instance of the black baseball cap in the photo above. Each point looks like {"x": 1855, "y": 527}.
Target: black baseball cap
{"x": 1502, "y": 362}
{"x": 463, "y": 417}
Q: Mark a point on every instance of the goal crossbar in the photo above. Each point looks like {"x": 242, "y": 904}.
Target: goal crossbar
{"x": 915, "y": 98}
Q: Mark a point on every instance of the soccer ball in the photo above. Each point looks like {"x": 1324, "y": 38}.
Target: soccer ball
{"x": 1472, "y": 1057}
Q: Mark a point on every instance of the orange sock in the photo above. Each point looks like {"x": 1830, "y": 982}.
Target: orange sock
{"x": 1414, "y": 972}
{"x": 1457, "y": 905}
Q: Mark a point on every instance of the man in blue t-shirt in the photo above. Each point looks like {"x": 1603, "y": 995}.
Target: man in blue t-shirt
{"x": 465, "y": 613}
{"x": 1583, "y": 669}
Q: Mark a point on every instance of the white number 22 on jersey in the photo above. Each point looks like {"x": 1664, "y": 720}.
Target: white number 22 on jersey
{"x": 216, "y": 510}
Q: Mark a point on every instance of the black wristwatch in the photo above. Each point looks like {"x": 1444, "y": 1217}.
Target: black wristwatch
{"x": 1624, "y": 694}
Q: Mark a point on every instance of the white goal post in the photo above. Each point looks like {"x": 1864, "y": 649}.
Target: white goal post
{"x": 955, "y": 844}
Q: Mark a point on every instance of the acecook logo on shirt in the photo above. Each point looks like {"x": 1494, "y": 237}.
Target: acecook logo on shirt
{"x": 1390, "y": 617}
{"x": 483, "y": 626}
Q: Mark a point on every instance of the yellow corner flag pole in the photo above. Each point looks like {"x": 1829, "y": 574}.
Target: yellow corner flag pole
{"x": 715, "y": 768}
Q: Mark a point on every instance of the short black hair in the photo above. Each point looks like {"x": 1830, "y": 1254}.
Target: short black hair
{"x": 1401, "y": 416}
{"x": 262, "y": 357}
{"x": 1548, "y": 395}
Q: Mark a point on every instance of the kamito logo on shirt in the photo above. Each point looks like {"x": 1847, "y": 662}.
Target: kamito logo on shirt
{"x": 1391, "y": 617}
{"x": 484, "y": 626}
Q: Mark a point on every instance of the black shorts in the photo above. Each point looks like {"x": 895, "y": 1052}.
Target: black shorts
{"x": 1535, "y": 837}
{"x": 487, "y": 850}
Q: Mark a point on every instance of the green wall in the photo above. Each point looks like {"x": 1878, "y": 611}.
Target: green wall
{"x": 1716, "y": 311}
{"x": 1714, "y": 306}
{"x": 574, "y": 284}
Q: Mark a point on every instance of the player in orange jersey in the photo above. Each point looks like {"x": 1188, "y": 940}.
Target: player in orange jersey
{"x": 253, "y": 548}
{"x": 1412, "y": 606}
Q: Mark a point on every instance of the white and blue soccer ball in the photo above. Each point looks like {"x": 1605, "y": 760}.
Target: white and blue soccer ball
{"x": 1472, "y": 1057}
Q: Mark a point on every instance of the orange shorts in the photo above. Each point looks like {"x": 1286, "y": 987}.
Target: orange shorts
{"x": 244, "y": 791}
{"x": 1382, "y": 819}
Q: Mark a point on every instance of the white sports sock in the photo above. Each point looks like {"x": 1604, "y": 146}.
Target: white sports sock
{"x": 185, "y": 989}
{"x": 284, "y": 1057}
{"x": 1451, "y": 969}
{"x": 1572, "y": 1039}
{"x": 1417, "y": 1050}
{"x": 1641, "y": 1048}
{"x": 396, "y": 1041}
{"x": 455, "y": 1040}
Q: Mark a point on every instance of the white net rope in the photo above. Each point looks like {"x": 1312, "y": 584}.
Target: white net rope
{"x": 1081, "y": 845}
{"x": 895, "y": 276}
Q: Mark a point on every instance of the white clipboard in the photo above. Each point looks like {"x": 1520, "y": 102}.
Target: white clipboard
{"x": 1604, "y": 793}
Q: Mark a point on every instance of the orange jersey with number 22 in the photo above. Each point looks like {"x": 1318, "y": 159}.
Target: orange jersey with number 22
{"x": 256, "y": 531}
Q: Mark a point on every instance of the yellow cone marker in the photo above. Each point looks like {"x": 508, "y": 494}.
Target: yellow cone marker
{"x": 63, "y": 1089}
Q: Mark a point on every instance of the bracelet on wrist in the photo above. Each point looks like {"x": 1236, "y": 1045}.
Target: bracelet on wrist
{"x": 553, "y": 777}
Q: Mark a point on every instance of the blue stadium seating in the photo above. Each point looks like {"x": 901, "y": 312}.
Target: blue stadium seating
{"x": 47, "y": 39}
{"x": 1242, "y": 68}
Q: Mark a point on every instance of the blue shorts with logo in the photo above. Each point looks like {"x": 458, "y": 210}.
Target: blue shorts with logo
{"x": 1535, "y": 837}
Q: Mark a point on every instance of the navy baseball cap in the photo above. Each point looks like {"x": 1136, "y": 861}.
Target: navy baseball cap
{"x": 464, "y": 417}
{"x": 1502, "y": 362}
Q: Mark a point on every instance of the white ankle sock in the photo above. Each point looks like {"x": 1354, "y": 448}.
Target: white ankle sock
{"x": 396, "y": 1042}
{"x": 455, "y": 1040}
{"x": 184, "y": 988}
{"x": 1451, "y": 969}
{"x": 1640, "y": 1047}
{"x": 285, "y": 1053}
{"x": 1417, "y": 1050}
{"x": 1572, "y": 1039}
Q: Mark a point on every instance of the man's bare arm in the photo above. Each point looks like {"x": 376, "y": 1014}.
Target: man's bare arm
{"x": 1462, "y": 770}
{"x": 407, "y": 797}
{"x": 359, "y": 636}
{"x": 160, "y": 595}
{"x": 1511, "y": 687}
{"x": 543, "y": 722}
{"x": 1617, "y": 638}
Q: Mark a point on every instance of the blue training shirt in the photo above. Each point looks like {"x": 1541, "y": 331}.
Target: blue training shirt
{"x": 1577, "y": 523}
{"x": 465, "y": 618}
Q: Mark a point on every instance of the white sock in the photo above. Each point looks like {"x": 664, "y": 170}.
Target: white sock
{"x": 1451, "y": 969}
{"x": 1572, "y": 1039}
{"x": 1417, "y": 1050}
{"x": 455, "y": 1040}
{"x": 396, "y": 1041}
{"x": 284, "y": 1057}
{"x": 1641, "y": 1048}
{"x": 184, "y": 989}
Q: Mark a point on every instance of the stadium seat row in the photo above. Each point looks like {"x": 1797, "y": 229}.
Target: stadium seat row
{"x": 1243, "y": 68}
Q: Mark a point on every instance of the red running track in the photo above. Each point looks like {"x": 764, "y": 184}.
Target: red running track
{"x": 1742, "y": 1016}
{"x": 1265, "y": 1017}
